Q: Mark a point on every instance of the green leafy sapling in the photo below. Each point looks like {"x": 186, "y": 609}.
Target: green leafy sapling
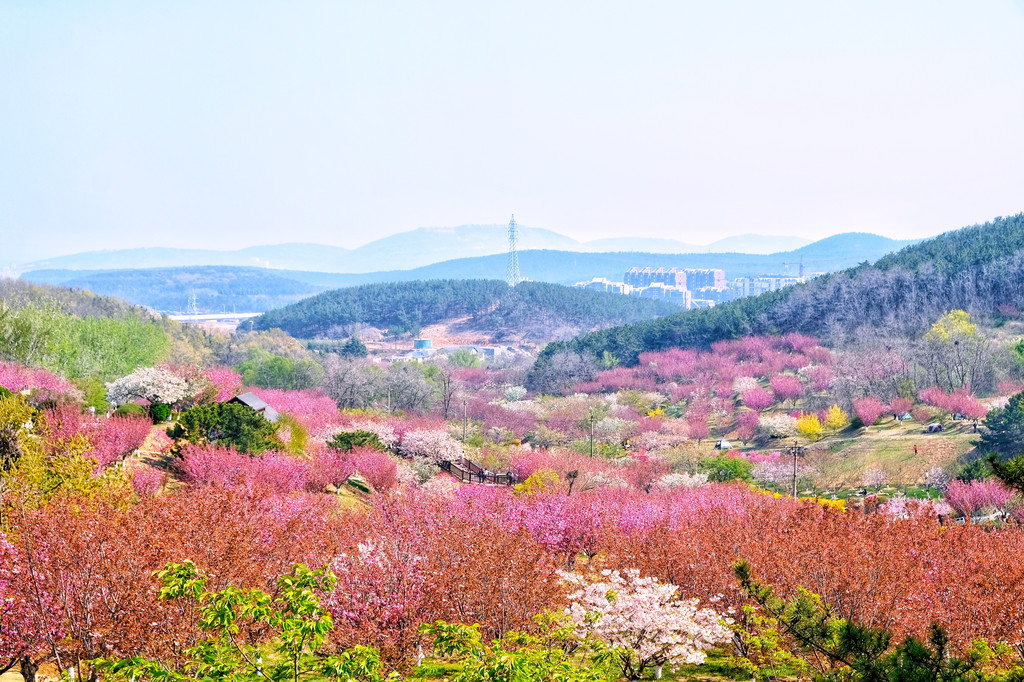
{"x": 296, "y": 624}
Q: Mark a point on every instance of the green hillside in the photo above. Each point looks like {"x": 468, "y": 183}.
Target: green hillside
{"x": 81, "y": 335}
{"x": 490, "y": 305}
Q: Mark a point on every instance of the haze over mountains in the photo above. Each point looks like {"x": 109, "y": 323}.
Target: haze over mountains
{"x": 220, "y": 288}
{"x": 404, "y": 251}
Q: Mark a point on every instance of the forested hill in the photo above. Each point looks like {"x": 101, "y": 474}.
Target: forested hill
{"x": 17, "y": 294}
{"x": 978, "y": 269}
{"x": 534, "y": 309}
{"x": 89, "y": 338}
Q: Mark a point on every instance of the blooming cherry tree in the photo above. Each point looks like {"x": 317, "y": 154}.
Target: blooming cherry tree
{"x": 869, "y": 409}
{"x": 777, "y": 425}
{"x": 155, "y": 384}
{"x": 757, "y": 398}
{"x": 643, "y": 621}
{"x": 433, "y": 444}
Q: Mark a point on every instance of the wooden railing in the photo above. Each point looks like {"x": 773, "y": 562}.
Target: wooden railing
{"x": 468, "y": 472}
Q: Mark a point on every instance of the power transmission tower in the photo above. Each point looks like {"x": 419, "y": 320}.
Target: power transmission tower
{"x": 193, "y": 305}
{"x": 513, "y": 253}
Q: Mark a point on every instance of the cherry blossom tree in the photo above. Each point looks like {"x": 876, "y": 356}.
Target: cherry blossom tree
{"x": 697, "y": 426}
{"x": 224, "y": 383}
{"x": 900, "y": 406}
{"x": 934, "y": 396}
{"x": 972, "y": 497}
{"x": 961, "y": 401}
{"x": 757, "y": 399}
{"x": 115, "y": 438}
{"x": 432, "y": 444}
{"x": 937, "y": 478}
{"x": 15, "y": 378}
{"x": 746, "y": 425}
{"x": 152, "y": 384}
{"x": 787, "y": 387}
{"x": 868, "y": 409}
{"x": 21, "y": 638}
{"x": 643, "y": 621}
{"x": 820, "y": 376}
{"x": 875, "y": 478}
{"x": 777, "y": 425}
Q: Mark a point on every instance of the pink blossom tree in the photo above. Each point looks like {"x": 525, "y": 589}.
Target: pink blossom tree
{"x": 27, "y": 621}
{"x": 376, "y": 467}
{"x": 216, "y": 465}
{"x": 697, "y": 427}
{"x": 15, "y": 378}
{"x": 963, "y": 402}
{"x": 868, "y": 409}
{"x": 933, "y": 395}
{"x": 115, "y": 438}
{"x": 973, "y": 497}
{"x": 820, "y": 376}
{"x": 224, "y": 383}
{"x": 787, "y": 387}
{"x": 746, "y": 426}
{"x": 757, "y": 399}
{"x": 900, "y": 406}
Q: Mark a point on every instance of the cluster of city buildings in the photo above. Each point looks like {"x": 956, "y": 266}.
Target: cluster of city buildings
{"x": 689, "y": 288}
{"x": 424, "y": 350}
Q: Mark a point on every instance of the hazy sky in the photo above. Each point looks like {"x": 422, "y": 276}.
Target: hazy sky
{"x": 225, "y": 124}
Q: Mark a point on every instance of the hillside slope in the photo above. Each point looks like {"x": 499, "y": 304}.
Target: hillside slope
{"x": 977, "y": 269}
{"x": 83, "y": 336}
{"x": 533, "y": 309}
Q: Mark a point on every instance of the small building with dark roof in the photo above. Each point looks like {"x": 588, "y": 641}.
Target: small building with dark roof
{"x": 253, "y": 401}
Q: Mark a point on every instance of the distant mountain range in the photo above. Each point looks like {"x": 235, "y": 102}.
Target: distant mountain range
{"x": 221, "y": 288}
{"x": 403, "y": 251}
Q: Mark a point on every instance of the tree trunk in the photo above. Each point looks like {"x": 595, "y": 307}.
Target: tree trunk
{"x": 28, "y": 669}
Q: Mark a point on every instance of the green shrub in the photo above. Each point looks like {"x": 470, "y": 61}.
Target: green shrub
{"x": 129, "y": 410}
{"x": 725, "y": 468}
{"x": 160, "y": 412}
{"x": 347, "y": 440}
{"x": 231, "y": 424}
{"x": 94, "y": 393}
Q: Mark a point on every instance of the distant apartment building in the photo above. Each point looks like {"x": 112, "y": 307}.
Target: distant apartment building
{"x": 664, "y": 292}
{"x": 690, "y": 288}
{"x": 645, "y": 277}
{"x": 760, "y": 285}
{"x": 604, "y": 284}
{"x": 705, "y": 279}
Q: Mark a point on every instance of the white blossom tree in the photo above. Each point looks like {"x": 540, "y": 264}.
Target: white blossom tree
{"x": 777, "y": 425}
{"x": 684, "y": 480}
{"x": 937, "y": 478}
{"x": 644, "y": 622}
{"x": 875, "y": 478}
{"x": 153, "y": 384}
{"x": 435, "y": 445}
